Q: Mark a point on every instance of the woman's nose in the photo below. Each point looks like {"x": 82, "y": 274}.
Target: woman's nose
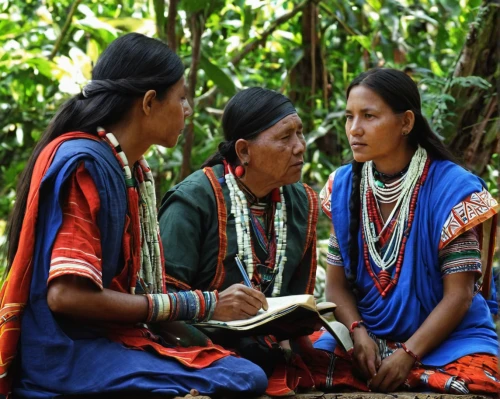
{"x": 300, "y": 146}
{"x": 355, "y": 128}
{"x": 188, "y": 111}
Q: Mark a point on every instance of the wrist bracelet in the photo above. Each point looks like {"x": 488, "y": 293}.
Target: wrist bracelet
{"x": 355, "y": 324}
{"x": 413, "y": 355}
{"x": 191, "y": 306}
{"x": 158, "y": 307}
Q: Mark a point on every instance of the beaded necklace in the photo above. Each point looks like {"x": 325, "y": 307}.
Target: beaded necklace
{"x": 405, "y": 207}
{"x": 150, "y": 268}
{"x": 239, "y": 209}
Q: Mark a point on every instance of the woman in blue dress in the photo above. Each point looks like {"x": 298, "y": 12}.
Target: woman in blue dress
{"x": 408, "y": 227}
{"x": 86, "y": 282}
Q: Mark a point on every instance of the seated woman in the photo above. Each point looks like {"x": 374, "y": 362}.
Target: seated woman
{"x": 246, "y": 202}
{"x": 404, "y": 253}
{"x": 86, "y": 265}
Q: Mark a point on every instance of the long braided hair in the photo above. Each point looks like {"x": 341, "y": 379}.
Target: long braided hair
{"x": 401, "y": 94}
{"x": 129, "y": 67}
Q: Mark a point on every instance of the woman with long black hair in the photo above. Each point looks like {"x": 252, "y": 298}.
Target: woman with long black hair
{"x": 404, "y": 254}
{"x": 85, "y": 260}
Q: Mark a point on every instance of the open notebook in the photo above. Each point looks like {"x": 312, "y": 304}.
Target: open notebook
{"x": 287, "y": 317}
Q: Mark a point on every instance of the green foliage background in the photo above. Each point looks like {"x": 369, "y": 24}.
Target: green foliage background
{"x": 48, "y": 47}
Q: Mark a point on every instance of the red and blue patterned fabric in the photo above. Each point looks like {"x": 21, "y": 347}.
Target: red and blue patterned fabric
{"x": 450, "y": 202}
{"x": 60, "y": 356}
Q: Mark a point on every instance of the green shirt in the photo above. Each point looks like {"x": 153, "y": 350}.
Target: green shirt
{"x": 191, "y": 226}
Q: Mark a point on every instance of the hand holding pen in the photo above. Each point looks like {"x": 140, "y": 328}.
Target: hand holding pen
{"x": 246, "y": 279}
{"x": 239, "y": 301}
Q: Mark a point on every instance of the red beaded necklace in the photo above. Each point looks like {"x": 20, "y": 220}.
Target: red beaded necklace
{"x": 384, "y": 281}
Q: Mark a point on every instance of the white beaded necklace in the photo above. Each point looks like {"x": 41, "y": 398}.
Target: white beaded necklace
{"x": 239, "y": 209}
{"x": 389, "y": 192}
{"x": 409, "y": 181}
{"x": 151, "y": 271}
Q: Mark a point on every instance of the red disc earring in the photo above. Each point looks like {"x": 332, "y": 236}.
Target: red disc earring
{"x": 239, "y": 171}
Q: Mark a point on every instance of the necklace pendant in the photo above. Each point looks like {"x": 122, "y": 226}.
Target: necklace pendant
{"x": 379, "y": 184}
{"x": 384, "y": 278}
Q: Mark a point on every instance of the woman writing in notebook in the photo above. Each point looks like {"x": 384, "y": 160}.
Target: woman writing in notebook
{"x": 86, "y": 280}
{"x": 404, "y": 252}
{"x": 247, "y": 202}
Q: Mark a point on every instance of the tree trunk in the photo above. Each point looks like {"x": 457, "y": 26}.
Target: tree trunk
{"x": 470, "y": 124}
{"x": 172, "y": 14}
{"x": 307, "y": 78}
{"x": 159, "y": 6}
{"x": 197, "y": 26}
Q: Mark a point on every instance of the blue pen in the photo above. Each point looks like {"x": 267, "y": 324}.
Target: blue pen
{"x": 247, "y": 281}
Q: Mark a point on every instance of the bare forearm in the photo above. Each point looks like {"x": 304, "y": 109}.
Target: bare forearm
{"x": 442, "y": 321}
{"x": 339, "y": 292}
{"x": 75, "y": 298}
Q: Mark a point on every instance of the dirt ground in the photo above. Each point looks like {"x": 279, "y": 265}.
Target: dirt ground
{"x": 401, "y": 395}
{"x": 355, "y": 395}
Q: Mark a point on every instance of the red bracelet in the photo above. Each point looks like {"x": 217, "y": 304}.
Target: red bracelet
{"x": 356, "y": 324}
{"x": 413, "y": 355}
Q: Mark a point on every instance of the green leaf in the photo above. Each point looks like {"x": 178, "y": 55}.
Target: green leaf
{"x": 218, "y": 76}
{"x": 364, "y": 41}
{"x": 192, "y": 6}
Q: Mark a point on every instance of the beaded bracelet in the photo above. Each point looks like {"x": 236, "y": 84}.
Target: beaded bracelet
{"x": 192, "y": 306}
{"x": 356, "y": 324}
{"x": 158, "y": 307}
{"x": 413, "y": 355}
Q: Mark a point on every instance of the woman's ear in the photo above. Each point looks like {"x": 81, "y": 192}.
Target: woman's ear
{"x": 242, "y": 150}
{"x": 408, "y": 121}
{"x": 147, "y": 102}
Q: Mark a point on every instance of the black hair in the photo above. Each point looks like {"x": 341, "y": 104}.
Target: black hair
{"x": 129, "y": 67}
{"x": 248, "y": 113}
{"x": 401, "y": 94}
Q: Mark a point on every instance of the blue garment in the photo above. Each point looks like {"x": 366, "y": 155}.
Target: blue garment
{"x": 57, "y": 356}
{"x": 420, "y": 286}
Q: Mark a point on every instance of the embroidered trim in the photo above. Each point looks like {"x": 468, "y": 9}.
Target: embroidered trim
{"x": 222, "y": 219}
{"x": 334, "y": 256}
{"x": 169, "y": 280}
{"x": 461, "y": 255}
{"x": 312, "y": 221}
{"x": 467, "y": 214}
{"x": 325, "y": 196}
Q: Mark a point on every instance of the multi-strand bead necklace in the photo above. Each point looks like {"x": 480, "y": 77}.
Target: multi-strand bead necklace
{"x": 151, "y": 257}
{"x": 184, "y": 305}
{"x": 240, "y": 211}
{"x": 405, "y": 191}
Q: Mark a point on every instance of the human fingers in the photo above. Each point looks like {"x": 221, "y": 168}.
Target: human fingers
{"x": 395, "y": 384}
{"x": 391, "y": 381}
{"x": 238, "y": 294}
{"x": 378, "y": 361}
{"x": 370, "y": 365}
{"x": 257, "y": 295}
{"x": 360, "y": 364}
{"x": 247, "y": 308}
{"x": 379, "y": 377}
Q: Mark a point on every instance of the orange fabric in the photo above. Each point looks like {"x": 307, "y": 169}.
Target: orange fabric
{"x": 222, "y": 218}
{"x": 476, "y": 373}
{"x": 311, "y": 236}
{"x": 77, "y": 247}
{"x": 15, "y": 290}
{"x": 291, "y": 374}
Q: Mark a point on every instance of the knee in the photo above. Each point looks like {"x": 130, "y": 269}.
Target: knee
{"x": 258, "y": 380}
{"x": 244, "y": 376}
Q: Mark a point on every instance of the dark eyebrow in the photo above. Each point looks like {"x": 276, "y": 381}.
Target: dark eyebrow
{"x": 367, "y": 109}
